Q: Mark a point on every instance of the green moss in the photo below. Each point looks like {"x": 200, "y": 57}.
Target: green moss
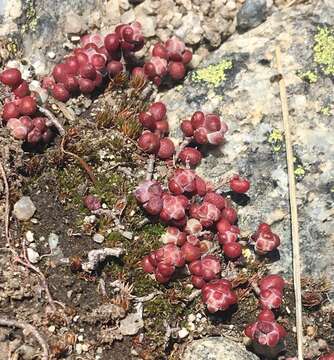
{"x": 153, "y": 230}
{"x": 113, "y": 238}
{"x": 12, "y": 47}
{"x": 70, "y": 179}
{"x": 275, "y": 138}
{"x": 326, "y": 110}
{"x": 111, "y": 187}
{"x": 309, "y": 76}
{"x": 299, "y": 172}
{"x": 324, "y": 50}
{"x": 213, "y": 75}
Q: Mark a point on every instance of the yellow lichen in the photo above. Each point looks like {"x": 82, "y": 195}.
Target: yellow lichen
{"x": 214, "y": 75}
{"x": 276, "y": 139}
{"x": 324, "y": 50}
{"x": 309, "y": 76}
{"x": 299, "y": 171}
{"x": 31, "y": 17}
{"x": 326, "y": 110}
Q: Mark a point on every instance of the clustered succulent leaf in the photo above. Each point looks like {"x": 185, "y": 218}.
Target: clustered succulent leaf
{"x": 196, "y": 214}
{"x": 20, "y": 113}
{"x": 85, "y": 70}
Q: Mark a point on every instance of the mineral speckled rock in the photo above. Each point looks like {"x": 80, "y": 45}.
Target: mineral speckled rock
{"x": 251, "y": 14}
{"x": 246, "y": 95}
{"x": 24, "y": 209}
{"x": 217, "y": 348}
{"x": 47, "y": 26}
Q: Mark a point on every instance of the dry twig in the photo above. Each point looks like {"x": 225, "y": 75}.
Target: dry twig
{"x": 293, "y": 208}
{"x": 150, "y": 167}
{"x": 6, "y": 215}
{"x": 52, "y": 120}
{"x": 81, "y": 161}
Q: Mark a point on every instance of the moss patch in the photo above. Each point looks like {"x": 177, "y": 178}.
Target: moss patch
{"x": 275, "y": 138}
{"x": 324, "y": 50}
{"x": 308, "y": 76}
{"x": 326, "y": 110}
{"x": 213, "y": 75}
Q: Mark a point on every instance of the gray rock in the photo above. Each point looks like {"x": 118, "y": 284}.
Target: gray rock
{"x": 53, "y": 241}
{"x": 29, "y": 236}
{"x": 74, "y": 24}
{"x": 33, "y": 256}
{"x": 24, "y": 209}
{"x": 98, "y": 238}
{"x": 249, "y": 101}
{"x": 217, "y": 348}
{"x": 131, "y": 324}
{"x": 113, "y": 13}
{"x": 251, "y": 14}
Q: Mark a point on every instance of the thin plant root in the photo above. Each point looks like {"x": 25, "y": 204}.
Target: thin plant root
{"x": 81, "y": 161}
{"x": 6, "y": 214}
{"x": 28, "y": 329}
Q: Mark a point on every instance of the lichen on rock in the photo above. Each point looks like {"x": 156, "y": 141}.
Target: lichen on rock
{"x": 324, "y": 49}
{"x": 214, "y": 74}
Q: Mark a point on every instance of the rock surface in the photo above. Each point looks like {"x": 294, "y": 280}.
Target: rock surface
{"x": 218, "y": 348}
{"x": 24, "y": 208}
{"x": 251, "y": 14}
{"x": 240, "y": 86}
{"x": 53, "y": 26}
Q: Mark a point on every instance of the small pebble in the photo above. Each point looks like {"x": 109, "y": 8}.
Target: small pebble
{"x": 311, "y": 330}
{"x": 30, "y": 236}
{"x": 191, "y": 326}
{"x": 191, "y": 317}
{"x": 90, "y": 219}
{"x": 183, "y": 333}
{"x": 24, "y": 209}
{"x": 52, "y": 329}
{"x": 75, "y": 38}
{"x": 85, "y": 347}
{"x": 98, "y": 238}
{"x": 128, "y": 234}
{"x": 53, "y": 241}
{"x": 78, "y": 348}
{"x": 33, "y": 256}
{"x": 80, "y": 338}
{"x": 51, "y": 54}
